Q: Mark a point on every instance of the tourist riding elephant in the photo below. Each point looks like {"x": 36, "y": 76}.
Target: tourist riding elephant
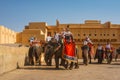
{"x": 35, "y": 55}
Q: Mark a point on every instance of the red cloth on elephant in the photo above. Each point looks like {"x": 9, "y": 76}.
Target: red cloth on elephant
{"x": 69, "y": 51}
{"x": 91, "y": 48}
{"x": 92, "y": 52}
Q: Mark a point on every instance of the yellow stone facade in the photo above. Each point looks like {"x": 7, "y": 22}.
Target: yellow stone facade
{"x": 98, "y": 32}
{"x": 35, "y": 29}
{"x": 7, "y": 36}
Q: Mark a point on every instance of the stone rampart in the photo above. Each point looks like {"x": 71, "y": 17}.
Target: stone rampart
{"x": 12, "y": 57}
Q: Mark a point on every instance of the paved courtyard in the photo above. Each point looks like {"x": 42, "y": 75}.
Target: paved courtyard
{"x": 91, "y": 72}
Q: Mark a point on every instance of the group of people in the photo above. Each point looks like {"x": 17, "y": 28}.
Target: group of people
{"x": 102, "y": 52}
{"x": 69, "y": 45}
{"x": 57, "y": 36}
{"x": 65, "y": 38}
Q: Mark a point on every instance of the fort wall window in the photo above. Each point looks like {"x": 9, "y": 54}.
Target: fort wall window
{"x": 113, "y": 34}
{"x": 95, "y": 34}
{"x": 89, "y": 34}
{"x": 84, "y": 34}
{"x": 78, "y": 40}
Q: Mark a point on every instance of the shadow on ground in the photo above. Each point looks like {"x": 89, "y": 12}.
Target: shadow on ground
{"x": 43, "y": 67}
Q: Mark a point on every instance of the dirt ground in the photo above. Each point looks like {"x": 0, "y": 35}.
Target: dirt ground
{"x": 93, "y": 71}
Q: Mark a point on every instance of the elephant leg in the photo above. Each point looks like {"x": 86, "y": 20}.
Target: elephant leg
{"x": 36, "y": 57}
{"x": 57, "y": 62}
{"x": 85, "y": 57}
{"x": 46, "y": 60}
{"x": 50, "y": 61}
{"x": 34, "y": 60}
{"x": 89, "y": 57}
{"x": 64, "y": 63}
{"x": 76, "y": 65}
{"x": 110, "y": 57}
{"x": 101, "y": 58}
{"x": 71, "y": 66}
{"x": 40, "y": 60}
{"x": 30, "y": 61}
{"x": 116, "y": 56}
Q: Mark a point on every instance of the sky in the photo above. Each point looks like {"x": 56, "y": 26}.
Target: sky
{"x": 16, "y": 14}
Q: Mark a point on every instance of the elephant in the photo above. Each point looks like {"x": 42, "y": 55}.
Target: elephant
{"x": 34, "y": 55}
{"x": 108, "y": 55}
{"x": 85, "y": 54}
{"x": 48, "y": 54}
{"x": 54, "y": 48}
{"x": 99, "y": 55}
{"x": 117, "y": 53}
{"x": 58, "y": 55}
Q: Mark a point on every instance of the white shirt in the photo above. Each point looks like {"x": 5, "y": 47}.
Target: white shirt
{"x": 88, "y": 39}
{"x": 108, "y": 46}
{"x": 99, "y": 48}
{"x": 67, "y": 33}
{"x": 85, "y": 42}
{"x": 48, "y": 38}
{"x": 57, "y": 36}
{"x": 31, "y": 39}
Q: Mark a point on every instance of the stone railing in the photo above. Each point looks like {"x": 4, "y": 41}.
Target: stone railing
{"x": 12, "y": 57}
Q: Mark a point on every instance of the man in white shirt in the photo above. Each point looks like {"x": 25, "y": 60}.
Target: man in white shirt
{"x": 57, "y": 36}
{"x": 108, "y": 46}
{"x": 31, "y": 40}
{"x": 48, "y": 38}
{"x": 68, "y": 35}
{"x": 88, "y": 40}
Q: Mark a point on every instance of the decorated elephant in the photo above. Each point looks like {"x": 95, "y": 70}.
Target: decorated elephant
{"x": 108, "y": 55}
{"x": 54, "y": 48}
{"x": 85, "y": 54}
{"x": 48, "y": 54}
{"x": 34, "y": 55}
{"x": 99, "y": 55}
{"x": 117, "y": 53}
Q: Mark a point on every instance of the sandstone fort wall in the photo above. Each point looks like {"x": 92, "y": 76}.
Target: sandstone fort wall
{"x": 12, "y": 57}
